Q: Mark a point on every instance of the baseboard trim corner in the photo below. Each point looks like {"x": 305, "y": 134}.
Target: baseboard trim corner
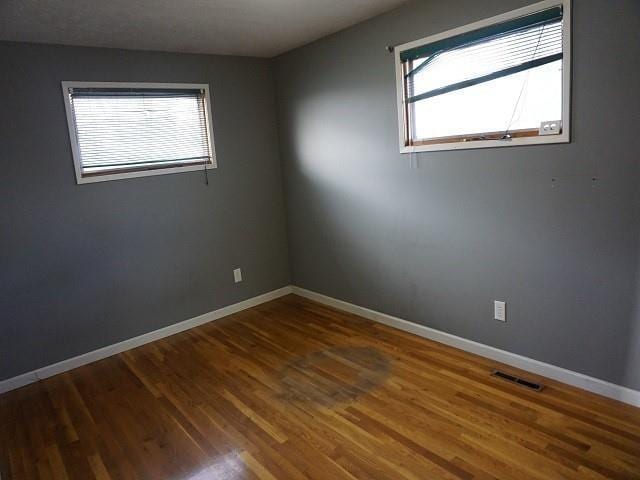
{"x": 99, "y": 354}
{"x": 579, "y": 380}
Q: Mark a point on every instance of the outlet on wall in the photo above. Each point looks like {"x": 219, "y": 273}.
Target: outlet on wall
{"x": 237, "y": 275}
{"x": 500, "y": 310}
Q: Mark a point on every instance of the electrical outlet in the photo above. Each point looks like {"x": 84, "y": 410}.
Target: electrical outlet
{"x": 552, "y": 127}
{"x": 237, "y": 275}
{"x": 500, "y": 311}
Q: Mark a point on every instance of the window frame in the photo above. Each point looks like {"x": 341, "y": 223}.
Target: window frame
{"x": 426, "y": 146}
{"x": 75, "y": 148}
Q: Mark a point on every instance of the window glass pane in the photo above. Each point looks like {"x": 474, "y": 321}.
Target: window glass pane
{"x": 519, "y": 101}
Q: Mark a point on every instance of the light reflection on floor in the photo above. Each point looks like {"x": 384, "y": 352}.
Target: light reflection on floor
{"x": 225, "y": 467}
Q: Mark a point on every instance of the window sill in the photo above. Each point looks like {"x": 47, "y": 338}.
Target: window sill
{"x": 470, "y": 145}
{"x": 141, "y": 173}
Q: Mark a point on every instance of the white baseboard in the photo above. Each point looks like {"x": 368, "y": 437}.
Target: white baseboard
{"x": 595, "y": 385}
{"x": 63, "y": 366}
{"x": 591, "y": 384}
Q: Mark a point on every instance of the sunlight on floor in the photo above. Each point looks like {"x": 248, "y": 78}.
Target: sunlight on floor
{"x": 226, "y": 467}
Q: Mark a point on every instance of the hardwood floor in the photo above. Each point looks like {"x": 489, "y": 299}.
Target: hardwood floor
{"x": 293, "y": 390}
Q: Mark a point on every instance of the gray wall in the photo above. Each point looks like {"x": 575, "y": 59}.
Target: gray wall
{"x": 436, "y": 245}
{"x": 86, "y": 266}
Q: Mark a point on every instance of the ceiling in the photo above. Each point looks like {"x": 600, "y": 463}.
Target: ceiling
{"x": 262, "y": 28}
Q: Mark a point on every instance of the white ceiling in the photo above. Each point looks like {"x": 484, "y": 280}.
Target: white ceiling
{"x": 231, "y": 27}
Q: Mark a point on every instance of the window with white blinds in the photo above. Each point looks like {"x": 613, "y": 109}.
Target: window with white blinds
{"x": 499, "y": 82}
{"x": 131, "y": 130}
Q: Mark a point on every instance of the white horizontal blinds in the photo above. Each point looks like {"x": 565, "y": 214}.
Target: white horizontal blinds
{"x": 139, "y": 129}
{"x": 484, "y": 60}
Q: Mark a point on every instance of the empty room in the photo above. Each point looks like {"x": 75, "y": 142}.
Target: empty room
{"x": 325, "y": 240}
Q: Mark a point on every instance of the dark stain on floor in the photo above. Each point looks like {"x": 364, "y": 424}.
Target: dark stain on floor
{"x": 334, "y": 375}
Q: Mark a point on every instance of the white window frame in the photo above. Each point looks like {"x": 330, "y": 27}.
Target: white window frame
{"x": 563, "y": 137}
{"x": 80, "y": 179}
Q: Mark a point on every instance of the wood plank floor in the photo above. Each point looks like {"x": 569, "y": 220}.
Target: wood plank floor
{"x": 293, "y": 390}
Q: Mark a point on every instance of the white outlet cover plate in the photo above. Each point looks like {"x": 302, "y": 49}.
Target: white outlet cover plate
{"x": 500, "y": 311}
{"x": 237, "y": 275}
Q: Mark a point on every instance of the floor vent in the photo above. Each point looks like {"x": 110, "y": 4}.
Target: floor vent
{"x": 517, "y": 380}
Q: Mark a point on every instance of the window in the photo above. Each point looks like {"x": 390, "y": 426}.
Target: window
{"x": 498, "y": 82}
{"x": 122, "y": 130}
